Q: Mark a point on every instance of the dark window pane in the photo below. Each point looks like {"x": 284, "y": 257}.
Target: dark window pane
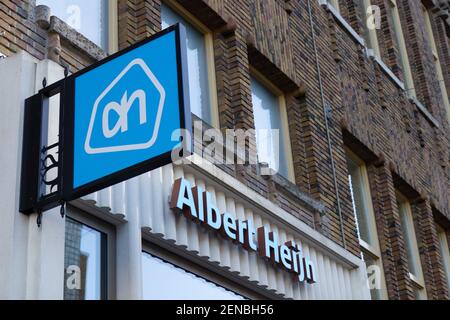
{"x": 360, "y": 206}
{"x": 83, "y": 262}
{"x": 408, "y": 236}
{"x": 362, "y": 13}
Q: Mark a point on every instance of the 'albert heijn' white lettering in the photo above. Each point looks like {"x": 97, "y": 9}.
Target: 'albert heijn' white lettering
{"x": 196, "y": 204}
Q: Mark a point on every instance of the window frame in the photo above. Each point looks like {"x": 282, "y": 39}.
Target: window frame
{"x": 180, "y": 259}
{"x": 437, "y": 62}
{"x": 418, "y": 280}
{"x": 281, "y": 98}
{"x": 372, "y": 249}
{"x": 113, "y": 26}
{"x": 210, "y": 57}
{"x": 370, "y": 216}
{"x": 372, "y": 42}
{"x": 445, "y": 251}
{"x": 400, "y": 38}
{"x": 108, "y": 248}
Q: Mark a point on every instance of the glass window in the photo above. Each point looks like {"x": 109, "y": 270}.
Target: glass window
{"x": 366, "y": 225}
{"x": 437, "y": 62}
{"x": 395, "y": 22}
{"x": 84, "y": 262}
{"x": 409, "y": 237}
{"x": 270, "y": 140}
{"x": 369, "y": 30}
{"x": 197, "y": 64}
{"x": 362, "y": 205}
{"x": 445, "y": 254}
{"x": 164, "y": 281}
{"x": 87, "y": 17}
{"x": 412, "y": 249}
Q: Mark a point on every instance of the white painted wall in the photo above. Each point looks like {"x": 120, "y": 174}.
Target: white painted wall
{"x": 31, "y": 258}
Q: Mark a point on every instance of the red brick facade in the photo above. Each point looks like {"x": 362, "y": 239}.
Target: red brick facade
{"x": 405, "y": 149}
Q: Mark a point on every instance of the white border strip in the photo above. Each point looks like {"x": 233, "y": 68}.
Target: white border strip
{"x": 343, "y": 22}
{"x": 386, "y": 69}
{"x": 424, "y": 111}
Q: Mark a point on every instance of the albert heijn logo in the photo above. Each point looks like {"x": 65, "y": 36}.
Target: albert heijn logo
{"x": 120, "y": 117}
{"x": 127, "y": 109}
{"x": 127, "y": 114}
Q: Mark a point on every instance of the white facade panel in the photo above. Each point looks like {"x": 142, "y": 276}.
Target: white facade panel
{"x": 338, "y": 271}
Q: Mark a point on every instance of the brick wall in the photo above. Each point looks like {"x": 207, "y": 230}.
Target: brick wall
{"x": 370, "y": 114}
{"x": 18, "y": 30}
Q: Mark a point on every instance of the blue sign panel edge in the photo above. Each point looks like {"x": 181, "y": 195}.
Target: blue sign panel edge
{"x": 67, "y": 150}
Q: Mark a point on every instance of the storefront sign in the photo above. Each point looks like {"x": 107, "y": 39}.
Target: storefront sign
{"x": 196, "y": 205}
{"x": 126, "y": 110}
{"x": 117, "y": 119}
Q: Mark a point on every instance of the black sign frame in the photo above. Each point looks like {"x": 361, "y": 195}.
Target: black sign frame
{"x": 30, "y": 201}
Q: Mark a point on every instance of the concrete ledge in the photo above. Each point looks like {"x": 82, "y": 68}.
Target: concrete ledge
{"x": 386, "y": 69}
{"x": 340, "y": 19}
{"x": 293, "y": 190}
{"x": 424, "y": 112}
{"x": 76, "y": 39}
{"x": 281, "y": 182}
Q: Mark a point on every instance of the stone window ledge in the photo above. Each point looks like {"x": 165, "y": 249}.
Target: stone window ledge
{"x": 293, "y": 191}
{"x": 281, "y": 183}
{"x": 424, "y": 111}
{"x": 340, "y": 19}
{"x": 370, "y": 53}
{"x": 53, "y": 24}
{"x": 76, "y": 39}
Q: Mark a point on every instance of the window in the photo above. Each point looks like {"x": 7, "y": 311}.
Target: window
{"x": 96, "y": 20}
{"x": 366, "y": 224}
{"x": 394, "y": 18}
{"x": 362, "y": 204}
{"x": 272, "y": 136}
{"x": 165, "y": 281}
{"x": 437, "y": 62}
{"x": 412, "y": 249}
{"x": 200, "y": 56}
{"x": 445, "y": 254}
{"x": 369, "y": 29}
{"x": 88, "y": 258}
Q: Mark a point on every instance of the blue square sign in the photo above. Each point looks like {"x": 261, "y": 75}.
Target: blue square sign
{"x": 126, "y": 109}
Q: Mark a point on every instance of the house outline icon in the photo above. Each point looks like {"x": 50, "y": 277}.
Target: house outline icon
{"x": 129, "y": 147}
